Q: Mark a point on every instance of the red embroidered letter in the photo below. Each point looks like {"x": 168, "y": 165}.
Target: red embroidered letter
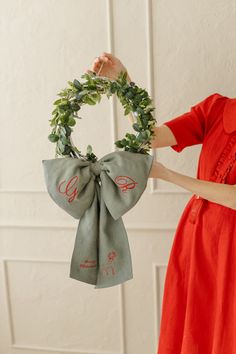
{"x": 68, "y": 187}
{"x": 89, "y": 264}
{"x": 125, "y": 182}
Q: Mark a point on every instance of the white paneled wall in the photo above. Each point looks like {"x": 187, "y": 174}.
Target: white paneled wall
{"x": 180, "y": 51}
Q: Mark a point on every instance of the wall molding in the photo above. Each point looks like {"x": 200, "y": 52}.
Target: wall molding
{"x": 14, "y": 345}
{"x": 157, "y": 298}
{"x": 59, "y": 350}
{"x": 150, "y": 74}
{"x": 128, "y": 227}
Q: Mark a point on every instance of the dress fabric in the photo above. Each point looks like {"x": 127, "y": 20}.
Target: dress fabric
{"x": 199, "y": 299}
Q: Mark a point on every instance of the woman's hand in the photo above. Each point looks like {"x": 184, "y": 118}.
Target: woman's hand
{"x": 158, "y": 170}
{"x": 108, "y": 65}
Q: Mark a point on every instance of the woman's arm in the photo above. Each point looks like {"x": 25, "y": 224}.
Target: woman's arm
{"x": 220, "y": 193}
{"x": 163, "y": 137}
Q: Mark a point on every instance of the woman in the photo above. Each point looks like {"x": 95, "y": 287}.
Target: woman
{"x": 199, "y": 301}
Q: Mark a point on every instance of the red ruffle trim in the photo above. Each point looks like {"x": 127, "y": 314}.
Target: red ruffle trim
{"x": 225, "y": 162}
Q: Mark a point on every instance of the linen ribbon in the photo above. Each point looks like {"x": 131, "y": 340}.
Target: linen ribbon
{"x": 99, "y": 193}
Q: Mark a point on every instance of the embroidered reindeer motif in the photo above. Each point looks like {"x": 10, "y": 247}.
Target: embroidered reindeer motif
{"x": 109, "y": 267}
{"x": 125, "y": 182}
{"x": 70, "y": 190}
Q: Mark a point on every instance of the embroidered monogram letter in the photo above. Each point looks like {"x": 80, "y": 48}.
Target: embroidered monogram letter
{"x": 125, "y": 182}
{"x": 70, "y": 190}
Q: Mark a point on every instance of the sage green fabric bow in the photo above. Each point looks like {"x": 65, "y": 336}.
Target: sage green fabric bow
{"x": 99, "y": 193}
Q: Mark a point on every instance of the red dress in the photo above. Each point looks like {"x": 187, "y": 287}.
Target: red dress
{"x": 199, "y": 300}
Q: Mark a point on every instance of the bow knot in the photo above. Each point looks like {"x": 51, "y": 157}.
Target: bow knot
{"x": 96, "y": 167}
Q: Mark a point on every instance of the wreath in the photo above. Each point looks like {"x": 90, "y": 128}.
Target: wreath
{"x": 99, "y": 192}
{"x": 133, "y": 98}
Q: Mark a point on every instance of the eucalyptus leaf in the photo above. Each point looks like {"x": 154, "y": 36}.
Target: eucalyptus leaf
{"x": 64, "y": 140}
{"x": 90, "y": 100}
{"x": 81, "y": 94}
{"x": 144, "y": 134}
{"x": 77, "y": 84}
{"x": 124, "y": 142}
{"x": 62, "y": 130}
{"x": 119, "y": 144}
{"x": 71, "y": 121}
{"x": 68, "y": 130}
{"x": 53, "y": 137}
{"x": 136, "y": 127}
{"x": 61, "y": 146}
{"x": 128, "y": 109}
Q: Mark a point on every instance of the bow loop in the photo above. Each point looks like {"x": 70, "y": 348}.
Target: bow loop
{"x": 124, "y": 181}
{"x": 70, "y": 183}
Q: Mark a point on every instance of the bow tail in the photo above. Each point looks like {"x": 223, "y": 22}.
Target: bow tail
{"x": 115, "y": 265}
{"x": 84, "y": 261}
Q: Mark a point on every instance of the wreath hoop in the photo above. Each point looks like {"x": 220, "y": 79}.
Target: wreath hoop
{"x": 134, "y": 99}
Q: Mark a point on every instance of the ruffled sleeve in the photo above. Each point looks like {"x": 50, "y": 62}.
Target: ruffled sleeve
{"x": 191, "y": 127}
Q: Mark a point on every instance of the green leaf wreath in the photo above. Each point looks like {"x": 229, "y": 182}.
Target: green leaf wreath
{"x": 133, "y": 99}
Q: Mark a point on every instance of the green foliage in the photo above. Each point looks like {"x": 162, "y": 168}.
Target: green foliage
{"x": 53, "y": 137}
{"x": 133, "y": 99}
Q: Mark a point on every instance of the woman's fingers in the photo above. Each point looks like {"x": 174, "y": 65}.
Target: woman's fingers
{"x": 111, "y": 59}
{"x": 105, "y": 64}
{"x": 108, "y": 55}
{"x": 96, "y": 67}
{"x": 99, "y": 62}
{"x": 102, "y": 58}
